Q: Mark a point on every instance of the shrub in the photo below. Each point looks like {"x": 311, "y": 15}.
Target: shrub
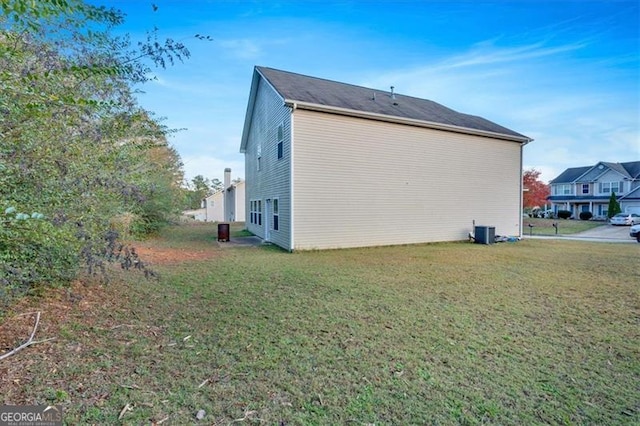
{"x": 564, "y": 214}
{"x": 34, "y": 251}
{"x": 586, "y": 215}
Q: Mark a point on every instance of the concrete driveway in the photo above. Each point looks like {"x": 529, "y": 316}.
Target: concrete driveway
{"x": 605, "y": 233}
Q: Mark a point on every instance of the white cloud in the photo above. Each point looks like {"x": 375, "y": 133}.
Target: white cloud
{"x": 536, "y": 90}
{"x": 486, "y": 53}
{"x": 242, "y": 48}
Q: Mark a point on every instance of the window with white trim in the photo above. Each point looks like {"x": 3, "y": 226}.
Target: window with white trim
{"x": 276, "y": 215}
{"x": 255, "y": 213}
{"x": 585, "y": 188}
{"x": 280, "y": 141}
{"x": 258, "y": 157}
{"x": 609, "y": 187}
{"x": 259, "y": 212}
{"x": 562, "y": 189}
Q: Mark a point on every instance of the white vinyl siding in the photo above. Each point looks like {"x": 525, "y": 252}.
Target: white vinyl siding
{"x": 269, "y": 119}
{"x": 361, "y": 182}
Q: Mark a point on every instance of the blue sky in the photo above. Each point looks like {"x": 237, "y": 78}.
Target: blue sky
{"x": 566, "y": 73}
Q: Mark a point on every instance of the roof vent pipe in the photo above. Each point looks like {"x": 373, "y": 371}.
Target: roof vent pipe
{"x": 393, "y": 95}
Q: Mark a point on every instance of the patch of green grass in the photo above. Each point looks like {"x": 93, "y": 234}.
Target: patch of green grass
{"x": 238, "y": 230}
{"x": 534, "y": 332}
{"x": 564, "y": 226}
{"x": 203, "y": 234}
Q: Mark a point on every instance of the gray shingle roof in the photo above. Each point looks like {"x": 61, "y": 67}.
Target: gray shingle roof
{"x": 633, "y": 168}
{"x": 629, "y": 169}
{"x": 318, "y": 91}
{"x": 571, "y": 174}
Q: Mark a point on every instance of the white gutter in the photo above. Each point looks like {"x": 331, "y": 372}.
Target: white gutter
{"x": 401, "y": 120}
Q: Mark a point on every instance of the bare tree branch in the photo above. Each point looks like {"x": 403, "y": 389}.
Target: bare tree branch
{"x": 29, "y": 342}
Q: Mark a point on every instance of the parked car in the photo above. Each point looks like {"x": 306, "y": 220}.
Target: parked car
{"x": 634, "y": 232}
{"x": 625, "y": 219}
{"x": 539, "y": 213}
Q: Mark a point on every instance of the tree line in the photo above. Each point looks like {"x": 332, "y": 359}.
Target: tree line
{"x": 81, "y": 162}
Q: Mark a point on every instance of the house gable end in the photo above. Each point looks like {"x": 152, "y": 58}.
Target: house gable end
{"x": 256, "y": 81}
{"x": 618, "y": 168}
{"x": 594, "y": 173}
{"x": 633, "y": 168}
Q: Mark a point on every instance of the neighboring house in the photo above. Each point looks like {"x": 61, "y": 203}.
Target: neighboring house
{"x": 589, "y": 188}
{"x": 228, "y": 204}
{"x": 195, "y": 214}
{"x": 333, "y": 165}
{"x": 214, "y": 205}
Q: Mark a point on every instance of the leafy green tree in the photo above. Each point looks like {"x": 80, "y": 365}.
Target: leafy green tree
{"x": 200, "y": 188}
{"x": 614, "y": 206}
{"x": 76, "y": 151}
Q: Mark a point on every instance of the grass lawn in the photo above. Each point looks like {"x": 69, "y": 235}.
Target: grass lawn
{"x": 533, "y": 332}
{"x": 564, "y": 226}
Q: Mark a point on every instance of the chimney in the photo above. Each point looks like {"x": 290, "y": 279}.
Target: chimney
{"x": 227, "y": 178}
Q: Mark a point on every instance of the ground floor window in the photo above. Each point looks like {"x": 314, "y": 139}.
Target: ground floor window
{"x": 602, "y": 209}
{"x": 276, "y": 215}
{"x": 255, "y": 212}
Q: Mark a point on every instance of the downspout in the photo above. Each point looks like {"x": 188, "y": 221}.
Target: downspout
{"x": 292, "y": 222}
{"x": 521, "y": 191}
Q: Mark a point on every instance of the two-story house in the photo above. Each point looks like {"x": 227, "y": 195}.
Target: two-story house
{"x": 589, "y": 188}
{"x": 334, "y": 165}
{"x": 228, "y": 204}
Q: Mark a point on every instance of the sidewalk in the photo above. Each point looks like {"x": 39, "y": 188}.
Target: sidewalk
{"x": 577, "y": 237}
{"x": 252, "y": 241}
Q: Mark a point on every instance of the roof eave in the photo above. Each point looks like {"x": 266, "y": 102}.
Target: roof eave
{"x": 249, "y": 113}
{"x": 401, "y": 120}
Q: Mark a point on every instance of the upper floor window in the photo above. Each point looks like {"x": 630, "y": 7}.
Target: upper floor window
{"x": 280, "y": 141}
{"x": 585, "y": 188}
{"x": 609, "y": 187}
{"x": 259, "y": 158}
{"x": 562, "y": 189}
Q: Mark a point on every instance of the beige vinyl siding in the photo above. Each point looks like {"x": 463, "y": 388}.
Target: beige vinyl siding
{"x": 240, "y": 202}
{"x": 215, "y": 207}
{"x": 361, "y": 182}
{"x": 273, "y": 179}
